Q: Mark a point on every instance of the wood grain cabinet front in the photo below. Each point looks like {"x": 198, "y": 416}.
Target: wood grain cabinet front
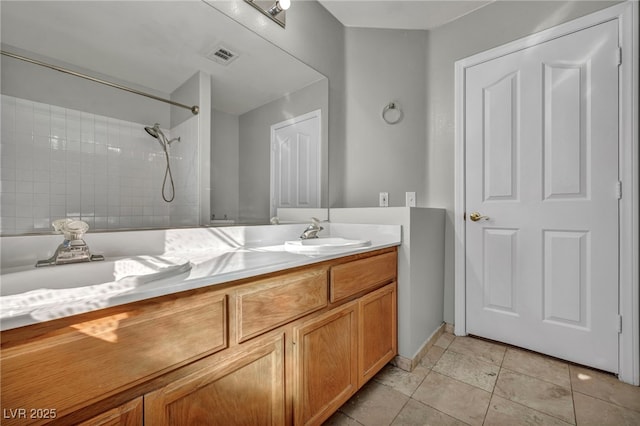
{"x": 246, "y": 388}
{"x": 326, "y": 362}
{"x": 128, "y": 414}
{"x": 275, "y": 301}
{"x": 288, "y": 347}
{"x": 361, "y": 275}
{"x": 72, "y": 367}
{"x": 377, "y": 331}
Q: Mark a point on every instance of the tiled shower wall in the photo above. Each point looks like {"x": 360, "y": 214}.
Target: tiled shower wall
{"x": 58, "y": 162}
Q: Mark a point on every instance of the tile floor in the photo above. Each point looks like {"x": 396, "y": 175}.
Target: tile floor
{"x": 469, "y": 381}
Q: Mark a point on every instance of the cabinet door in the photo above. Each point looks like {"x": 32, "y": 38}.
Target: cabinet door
{"x": 377, "y": 331}
{"x": 326, "y": 364}
{"x": 245, "y": 389}
{"x": 128, "y": 414}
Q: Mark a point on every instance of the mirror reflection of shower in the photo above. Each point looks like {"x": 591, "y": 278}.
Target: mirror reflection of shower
{"x": 164, "y": 143}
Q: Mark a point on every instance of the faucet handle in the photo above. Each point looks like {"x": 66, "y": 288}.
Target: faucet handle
{"x": 75, "y": 229}
{"x": 315, "y": 221}
{"x": 59, "y": 224}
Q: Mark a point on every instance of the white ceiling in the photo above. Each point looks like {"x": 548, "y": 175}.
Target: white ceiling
{"x": 400, "y": 14}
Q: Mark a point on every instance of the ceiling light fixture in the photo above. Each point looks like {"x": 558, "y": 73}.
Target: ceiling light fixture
{"x": 274, "y": 11}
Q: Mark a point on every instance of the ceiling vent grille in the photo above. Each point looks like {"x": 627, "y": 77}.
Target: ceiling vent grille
{"x": 222, "y": 55}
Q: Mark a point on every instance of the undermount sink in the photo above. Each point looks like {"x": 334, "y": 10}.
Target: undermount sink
{"x": 324, "y": 245}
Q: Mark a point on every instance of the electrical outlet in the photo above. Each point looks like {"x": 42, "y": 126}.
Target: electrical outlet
{"x": 411, "y": 199}
{"x": 384, "y": 199}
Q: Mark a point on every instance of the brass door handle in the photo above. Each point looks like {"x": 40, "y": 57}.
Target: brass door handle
{"x": 475, "y": 216}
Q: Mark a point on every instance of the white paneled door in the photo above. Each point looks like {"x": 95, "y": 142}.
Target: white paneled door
{"x": 295, "y": 162}
{"x": 541, "y": 140}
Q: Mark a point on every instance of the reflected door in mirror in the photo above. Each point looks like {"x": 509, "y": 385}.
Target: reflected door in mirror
{"x": 295, "y": 162}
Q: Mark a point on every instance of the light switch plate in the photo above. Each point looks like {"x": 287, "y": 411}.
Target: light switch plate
{"x": 384, "y": 199}
{"x": 411, "y": 199}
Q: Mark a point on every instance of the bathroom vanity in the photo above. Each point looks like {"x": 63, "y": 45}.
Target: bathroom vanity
{"x": 285, "y": 347}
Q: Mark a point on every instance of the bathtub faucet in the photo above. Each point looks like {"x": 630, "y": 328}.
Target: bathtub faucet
{"x": 312, "y": 230}
{"x": 73, "y": 249}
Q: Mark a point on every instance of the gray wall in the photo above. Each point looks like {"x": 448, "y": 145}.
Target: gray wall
{"x": 187, "y": 94}
{"x": 315, "y": 37}
{"x": 255, "y": 151}
{"x": 225, "y": 165}
{"x": 384, "y": 66}
{"x": 39, "y": 84}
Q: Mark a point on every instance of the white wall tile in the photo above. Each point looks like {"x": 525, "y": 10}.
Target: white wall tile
{"x": 8, "y": 115}
{"x": 74, "y": 125}
{"x": 58, "y": 122}
{"x": 41, "y": 119}
{"x": 57, "y": 162}
{"x": 24, "y": 116}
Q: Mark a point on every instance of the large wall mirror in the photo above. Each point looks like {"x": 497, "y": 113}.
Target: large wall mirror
{"x": 72, "y": 147}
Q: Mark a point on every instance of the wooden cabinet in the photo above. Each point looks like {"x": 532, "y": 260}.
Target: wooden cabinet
{"x": 272, "y": 302}
{"x": 246, "y": 389}
{"x": 286, "y": 348}
{"x": 102, "y": 352}
{"x": 339, "y": 351}
{"x": 351, "y": 278}
{"x": 325, "y": 364}
{"x": 377, "y": 331}
{"x": 129, "y": 414}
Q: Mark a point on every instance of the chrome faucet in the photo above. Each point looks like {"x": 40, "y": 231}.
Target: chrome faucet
{"x": 73, "y": 249}
{"x": 312, "y": 230}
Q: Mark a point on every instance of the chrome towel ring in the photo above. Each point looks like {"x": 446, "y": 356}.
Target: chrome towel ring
{"x": 392, "y": 114}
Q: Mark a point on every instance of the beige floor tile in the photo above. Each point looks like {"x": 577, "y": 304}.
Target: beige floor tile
{"x": 432, "y": 356}
{"x": 503, "y": 412}
{"x": 486, "y": 351}
{"x": 444, "y": 340}
{"x": 415, "y": 413}
{"x": 604, "y": 386}
{"x": 375, "y": 404}
{"x": 536, "y": 365}
{"x": 460, "y": 400}
{"x": 530, "y": 389}
{"x": 341, "y": 419}
{"x": 593, "y": 411}
{"x": 400, "y": 380}
{"x": 535, "y": 393}
{"x": 468, "y": 369}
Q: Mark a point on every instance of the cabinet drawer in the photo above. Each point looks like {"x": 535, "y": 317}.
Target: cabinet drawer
{"x": 71, "y": 367}
{"x": 353, "y": 277}
{"x": 275, "y": 301}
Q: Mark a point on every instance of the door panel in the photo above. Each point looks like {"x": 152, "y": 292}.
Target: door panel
{"x": 565, "y": 277}
{"x": 500, "y": 140}
{"x": 565, "y": 130}
{"x": 541, "y": 137}
{"x": 500, "y": 268}
{"x": 295, "y": 163}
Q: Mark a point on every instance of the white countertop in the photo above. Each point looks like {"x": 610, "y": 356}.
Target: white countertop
{"x": 215, "y": 256}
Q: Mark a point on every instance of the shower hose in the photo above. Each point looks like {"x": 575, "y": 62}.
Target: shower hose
{"x": 167, "y": 174}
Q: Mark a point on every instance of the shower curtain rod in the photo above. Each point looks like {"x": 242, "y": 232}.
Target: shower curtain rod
{"x": 194, "y": 109}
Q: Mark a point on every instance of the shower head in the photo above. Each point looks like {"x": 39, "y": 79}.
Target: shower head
{"x": 154, "y": 131}
{"x": 164, "y": 143}
{"x": 158, "y": 134}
